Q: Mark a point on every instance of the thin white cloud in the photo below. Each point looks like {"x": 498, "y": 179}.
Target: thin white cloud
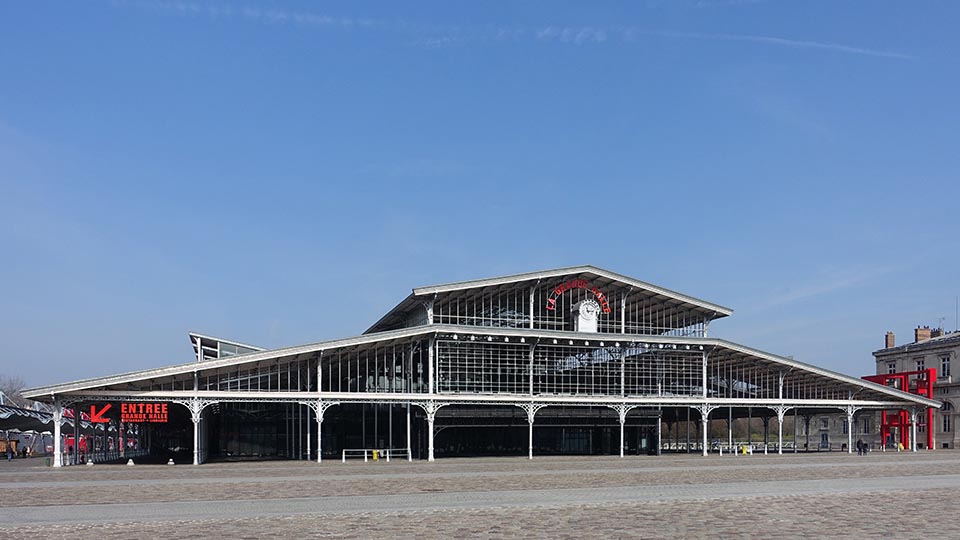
{"x": 441, "y": 41}
{"x": 575, "y": 35}
{"x": 817, "y": 288}
{"x": 832, "y": 282}
{"x": 434, "y": 35}
{"x": 727, "y": 3}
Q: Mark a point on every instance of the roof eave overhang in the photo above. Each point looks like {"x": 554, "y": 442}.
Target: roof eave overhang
{"x": 402, "y": 307}
{"x": 720, "y": 311}
{"x": 347, "y": 397}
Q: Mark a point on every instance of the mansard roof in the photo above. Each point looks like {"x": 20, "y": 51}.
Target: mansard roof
{"x": 951, "y": 339}
{"x": 599, "y": 276}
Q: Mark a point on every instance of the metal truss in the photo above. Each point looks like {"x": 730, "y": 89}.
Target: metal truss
{"x": 191, "y": 399}
{"x": 432, "y": 403}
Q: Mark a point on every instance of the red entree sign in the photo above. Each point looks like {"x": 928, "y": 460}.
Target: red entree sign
{"x": 143, "y": 412}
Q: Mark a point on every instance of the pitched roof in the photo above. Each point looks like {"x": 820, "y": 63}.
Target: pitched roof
{"x": 411, "y": 301}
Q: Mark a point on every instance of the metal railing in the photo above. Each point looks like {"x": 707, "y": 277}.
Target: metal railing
{"x": 101, "y": 456}
{"x": 375, "y": 454}
{"x": 739, "y": 447}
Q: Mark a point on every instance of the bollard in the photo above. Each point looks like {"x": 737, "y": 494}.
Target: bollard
{"x": 171, "y": 462}
{"x": 89, "y": 463}
{"x": 130, "y": 462}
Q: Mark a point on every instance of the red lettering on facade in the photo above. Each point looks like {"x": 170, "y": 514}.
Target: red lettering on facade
{"x": 143, "y": 412}
{"x": 602, "y": 299}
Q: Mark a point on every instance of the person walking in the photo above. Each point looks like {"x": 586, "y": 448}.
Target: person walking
{"x": 859, "y": 447}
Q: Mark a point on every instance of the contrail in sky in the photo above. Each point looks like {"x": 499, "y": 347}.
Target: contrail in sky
{"x": 784, "y": 42}
{"x": 435, "y": 35}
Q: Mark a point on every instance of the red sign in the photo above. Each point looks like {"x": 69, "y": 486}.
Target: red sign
{"x": 577, "y": 284}
{"x": 98, "y": 416}
{"x": 143, "y": 412}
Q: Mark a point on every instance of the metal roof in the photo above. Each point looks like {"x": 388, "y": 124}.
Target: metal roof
{"x": 47, "y": 391}
{"x": 212, "y": 344}
{"x": 411, "y": 300}
{"x": 193, "y": 365}
{"x": 204, "y": 338}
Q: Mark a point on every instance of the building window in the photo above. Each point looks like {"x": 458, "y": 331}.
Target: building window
{"x": 945, "y": 366}
{"x": 846, "y": 427}
{"x": 824, "y": 423}
{"x": 920, "y": 364}
{"x": 947, "y": 413}
{"x": 891, "y": 368}
{"x": 866, "y": 425}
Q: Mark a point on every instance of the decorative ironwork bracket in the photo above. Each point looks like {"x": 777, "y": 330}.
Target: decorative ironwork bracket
{"x": 195, "y": 406}
{"x": 705, "y": 409}
{"x": 319, "y": 407}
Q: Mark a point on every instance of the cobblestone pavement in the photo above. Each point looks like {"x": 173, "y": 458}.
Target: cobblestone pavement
{"x": 805, "y": 496}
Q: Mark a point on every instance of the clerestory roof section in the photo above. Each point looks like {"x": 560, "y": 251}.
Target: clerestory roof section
{"x": 635, "y": 291}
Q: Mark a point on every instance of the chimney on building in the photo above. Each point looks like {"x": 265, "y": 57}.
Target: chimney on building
{"x": 921, "y": 334}
{"x": 936, "y": 332}
{"x": 889, "y": 340}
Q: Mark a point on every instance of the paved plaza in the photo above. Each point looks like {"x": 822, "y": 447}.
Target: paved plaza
{"x": 681, "y": 496}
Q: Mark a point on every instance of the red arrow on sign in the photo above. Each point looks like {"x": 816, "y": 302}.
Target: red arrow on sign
{"x": 98, "y": 416}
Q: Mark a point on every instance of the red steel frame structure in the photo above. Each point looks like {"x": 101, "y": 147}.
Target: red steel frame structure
{"x": 915, "y": 382}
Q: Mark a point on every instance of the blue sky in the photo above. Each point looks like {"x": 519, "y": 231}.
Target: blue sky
{"x": 284, "y": 172}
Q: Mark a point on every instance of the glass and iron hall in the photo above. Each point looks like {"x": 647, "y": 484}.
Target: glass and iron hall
{"x": 576, "y": 360}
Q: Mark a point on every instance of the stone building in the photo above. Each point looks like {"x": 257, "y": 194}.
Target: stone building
{"x": 931, "y": 348}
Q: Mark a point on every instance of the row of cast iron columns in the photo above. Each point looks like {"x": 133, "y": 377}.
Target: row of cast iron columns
{"x": 319, "y": 407}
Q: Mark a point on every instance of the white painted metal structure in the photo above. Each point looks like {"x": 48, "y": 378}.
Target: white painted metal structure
{"x": 508, "y": 341}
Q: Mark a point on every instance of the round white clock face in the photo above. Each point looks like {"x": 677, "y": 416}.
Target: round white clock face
{"x": 589, "y": 309}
